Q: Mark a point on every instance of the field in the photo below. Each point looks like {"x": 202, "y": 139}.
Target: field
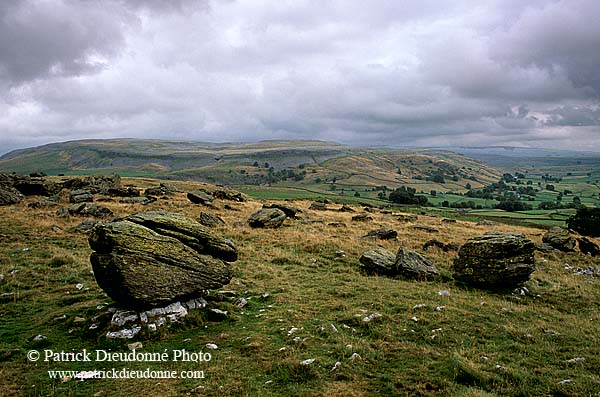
{"x": 477, "y": 343}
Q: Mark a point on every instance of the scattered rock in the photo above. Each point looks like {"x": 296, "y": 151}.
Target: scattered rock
{"x": 446, "y": 220}
{"x": 425, "y": 228}
{"x": 200, "y": 198}
{"x": 288, "y": 210}
{"x": 36, "y": 186}
{"x": 337, "y": 224}
{"x": 86, "y": 209}
{"x": 485, "y": 222}
{"x": 370, "y": 317}
{"x": 161, "y": 190}
{"x": 382, "y": 234}
{"x": 228, "y": 194}
{"x": 587, "y": 246}
{"x": 543, "y": 247}
{"x": 135, "y": 346}
{"x": 378, "y": 261}
{"x": 267, "y": 218}
{"x": 124, "y": 192}
{"x": 362, "y": 218}
{"x": 51, "y": 201}
{"x": 9, "y": 195}
{"x": 560, "y": 239}
{"x": 346, "y": 208}
{"x": 318, "y": 206}
{"x": 210, "y": 220}
{"x": 145, "y": 200}
{"x": 96, "y": 184}
{"x": 81, "y": 196}
{"x": 155, "y": 258}
{"x": 495, "y": 260}
{"x": 411, "y": 264}
{"x": 308, "y": 361}
{"x": 211, "y": 346}
{"x": 441, "y": 245}
{"x": 217, "y": 315}
{"x": 406, "y": 218}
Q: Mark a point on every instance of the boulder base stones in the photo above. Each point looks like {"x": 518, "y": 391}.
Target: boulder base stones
{"x": 378, "y": 261}
{"x": 411, "y": 264}
{"x": 382, "y": 234}
{"x": 210, "y": 220}
{"x": 587, "y": 246}
{"x": 155, "y": 258}
{"x": 560, "y": 239}
{"x": 81, "y": 196}
{"x": 495, "y": 260}
{"x": 267, "y": 218}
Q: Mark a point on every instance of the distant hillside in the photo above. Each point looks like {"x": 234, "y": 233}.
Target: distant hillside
{"x": 306, "y": 164}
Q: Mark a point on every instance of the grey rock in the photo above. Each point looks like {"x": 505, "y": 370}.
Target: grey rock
{"x": 440, "y": 245}
{"x": 587, "y": 246}
{"x": 485, "y": 222}
{"x": 9, "y": 195}
{"x": 87, "y": 209}
{"x": 346, "y": 208}
{"x": 362, "y": 218}
{"x": 228, "y": 194}
{"x": 411, "y": 264}
{"x": 337, "y": 224}
{"x": 288, "y": 210}
{"x": 156, "y": 258}
{"x": 318, "y": 206}
{"x": 161, "y": 190}
{"x": 560, "y": 239}
{"x": 406, "y": 218}
{"x": 145, "y": 200}
{"x": 446, "y": 220}
{"x": 81, "y": 196}
{"x": 124, "y": 192}
{"x": 210, "y": 220}
{"x": 382, "y": 234}
{"x": 200, "y": 197}
{"x": 425, "y": 228}
{"x": 267, "y": 218}
{"x": 495, "y": 260}
{"x": 378, "y": 261}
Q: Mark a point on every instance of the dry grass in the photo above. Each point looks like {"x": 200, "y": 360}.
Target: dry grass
{"x": 311, "y": 288}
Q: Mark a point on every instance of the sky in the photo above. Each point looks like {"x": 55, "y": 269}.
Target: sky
{"x": 405, "y": 73}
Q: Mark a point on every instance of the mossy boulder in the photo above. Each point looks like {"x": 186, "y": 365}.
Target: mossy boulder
{"x": 495, "y": 260}
{"x": 155, "y": 258}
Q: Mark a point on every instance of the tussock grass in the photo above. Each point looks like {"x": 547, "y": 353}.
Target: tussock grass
{"x": 478, "y": 343}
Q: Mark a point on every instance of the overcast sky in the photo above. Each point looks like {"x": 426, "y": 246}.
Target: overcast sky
{"x": 416, "y": 73}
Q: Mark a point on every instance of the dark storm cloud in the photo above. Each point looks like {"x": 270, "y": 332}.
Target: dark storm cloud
{"x": 383, "y": 72}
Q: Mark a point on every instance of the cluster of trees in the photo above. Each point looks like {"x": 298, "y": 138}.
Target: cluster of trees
{"x": 586, "y": 221}
{"x": 407, "y": 195}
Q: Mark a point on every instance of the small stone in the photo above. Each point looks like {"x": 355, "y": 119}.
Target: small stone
{"x": 439, "y": 308}
{"x": 211, "y": 346}
{"x": 355, "y": 356}
{"x": 371, "y": 317}
{"x": 444, "y": 293}
{"x": 79, "y": 286}
{"x": 419, "y": 306}
{"x": 135, "y": 346}
{"x": 576, "y": 360}
{"x": 565, "y": 381}
{"x": 78, "y": 320}
{"x": 336, "y": 366}
{"x": 124, "y": 333}
{"x": 292, "y": 330}
{"x": 40, "y": 337}
{"x": 308, "y": 361}
{"x": 415, "y": 319}
{"x": 241, "y": 303}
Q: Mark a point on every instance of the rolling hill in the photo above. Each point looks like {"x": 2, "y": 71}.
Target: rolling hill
{"x": 315, "y": 165}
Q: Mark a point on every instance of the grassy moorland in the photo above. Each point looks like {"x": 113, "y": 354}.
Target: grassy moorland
{"x": 470, "y": 343}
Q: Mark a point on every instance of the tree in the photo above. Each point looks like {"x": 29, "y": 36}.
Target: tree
{"x": 433, "y": 193}
{"x": 356, "y": 194}
{"x": 550, "y": 187}
{"x": 468, "y": 186}
{"x": 586, "y": 221}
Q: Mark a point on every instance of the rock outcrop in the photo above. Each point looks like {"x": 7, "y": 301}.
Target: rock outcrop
{"x": 288, "y": 210}
{"x": 378, "y": 261}
{"x": 382, "y": 234}
{"x": 210, "y": 220}
{"x": 495, "y": 260}
{"x": 156, "y": 258}
{"x": 406, "y": 263}
{"x": 587, "y": 246}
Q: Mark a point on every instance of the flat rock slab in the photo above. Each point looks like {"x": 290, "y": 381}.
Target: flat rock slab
{"x": 155, "y": 258}
{"x": 495, "y": 260}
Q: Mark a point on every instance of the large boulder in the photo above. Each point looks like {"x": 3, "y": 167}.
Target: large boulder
{"x": 81, "y": 196}
{"x": 155, "y": 258}
{"x": 318, "y": 206}
{"x": 36, "y": 186}
{"x": 267, "y": 218}
{"x": 495, "y": 260}
{"x": 161, "y": 190}
{"x": 96, "y": 184}
{"x": 210, "y": 220}
{"x": 560, "y": 239}
{"x": 228, "y": 194}
{"x": 86, "y": 209}
{"x": 362, "y": 218}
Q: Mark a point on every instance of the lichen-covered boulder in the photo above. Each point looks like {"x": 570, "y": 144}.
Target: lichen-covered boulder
{"x": 210, "y": 220}
{"x": 588, "y": 246}
{"x": 155, "y": 258}
{"x": 288, "y": 210}
{"x": 495, "y": 260}
{"x": 267, "y": 218}
{"x": 200, "y": 197}
{"x": 382, "y": 234}
{"x": 560, "y": 239}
